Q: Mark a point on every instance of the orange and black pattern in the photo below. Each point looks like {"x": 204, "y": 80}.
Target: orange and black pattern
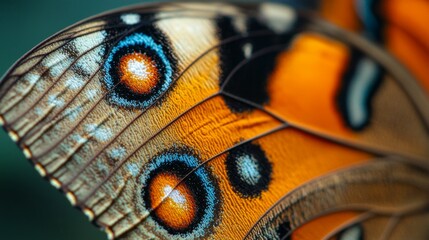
{"x": 222, "y": 121}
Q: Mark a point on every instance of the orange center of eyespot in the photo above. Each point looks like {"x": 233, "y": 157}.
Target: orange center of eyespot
{"x": 138, "y": 72}
{"x": 178, "y": 207}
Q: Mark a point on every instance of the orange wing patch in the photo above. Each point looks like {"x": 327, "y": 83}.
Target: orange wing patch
{"x": 304, "y": 83}
{"x": 296, "y": 158}
{"x": 304, "y": 90}
{"x": 407, "y": 35}
{"x": 346, "y": 17}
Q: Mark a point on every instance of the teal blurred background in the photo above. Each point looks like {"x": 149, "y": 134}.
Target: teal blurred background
{"x": 29, "y": 207}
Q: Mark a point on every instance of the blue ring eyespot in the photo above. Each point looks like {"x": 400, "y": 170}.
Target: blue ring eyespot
{"x": 138, "y": 71}
{"x": 182, "y": 208}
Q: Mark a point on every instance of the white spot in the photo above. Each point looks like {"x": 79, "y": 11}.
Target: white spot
{"x": 89, "y": 213}
{"x": 247, "y": 49}
{"x": 40, "y": 169}
{"x": 71, "y": 197}
{"x": 360, "y": 86}
{"x": 53, "y": 100}
{"x": 138, "y": 68}
{"x": 110, "y": 234}
{"x": 103, "y": 134}
{"x": 240, "y": 24}
{"x": 86, "y": 42}
{"x": 39, "y": 111}
{"x": 54, "y": 58}
{"x": 54, "y": 182}
{"x": 248, "y": 169}
{"x": 27, "y": 152}
{"x": 352, "y": 233}
{"x": 103, "y": 168}
{"x": 74, "y": 83}
{"x": 131, "y": 18}
{"x": 117, "y": 153}
{"x": 13, "y": 135}
{"x": 32, "y": 78}
{"x": 60, "y": 68}
{"x": 91, "y": 127}
{"x": 133, "y": 169}
{"x": 90, "y": 62}
{"x": 100, "y": 133}
{"x": 279, "y": 17}
{"x": 175, "y": 195}
{"x": 91, "y": 94}
{"x": 73, "y": 113}
{"x": 79, "y": 139}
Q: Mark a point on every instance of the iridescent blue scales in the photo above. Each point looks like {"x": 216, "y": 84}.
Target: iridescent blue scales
{"x": 220, "y": 121}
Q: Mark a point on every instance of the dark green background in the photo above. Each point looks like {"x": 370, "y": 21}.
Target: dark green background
{"x": 29, "y": 207}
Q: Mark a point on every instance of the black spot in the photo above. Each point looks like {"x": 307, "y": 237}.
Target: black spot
{"x": 243, "y": 186}
{"x": 284, "y": 231}
{"x": 250, "y": 80}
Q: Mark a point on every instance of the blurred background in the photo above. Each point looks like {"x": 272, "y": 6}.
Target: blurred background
{"x": 29, "y": 207}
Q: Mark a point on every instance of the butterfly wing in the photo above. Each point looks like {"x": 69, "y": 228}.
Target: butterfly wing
{"x": 399, "y": 26}
{"x": 355, "y": 198}
{"x": 175, "y": 120}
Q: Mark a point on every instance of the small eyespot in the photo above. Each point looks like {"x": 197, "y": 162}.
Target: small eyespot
{"x": 248, "y": 170}
{"x": 184, "y": 203}
{"x": 137, "y": 72}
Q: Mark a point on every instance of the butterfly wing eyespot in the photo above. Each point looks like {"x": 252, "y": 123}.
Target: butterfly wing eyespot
{"x": 249, "y": 170}
{"x": 137, "y": 71}
{"x": 186, "y": 208}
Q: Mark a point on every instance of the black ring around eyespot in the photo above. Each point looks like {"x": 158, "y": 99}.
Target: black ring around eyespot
{"x": 248, "y": 170}
{"x": 119, "y": 93}
{"x": 200, "y": 182}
